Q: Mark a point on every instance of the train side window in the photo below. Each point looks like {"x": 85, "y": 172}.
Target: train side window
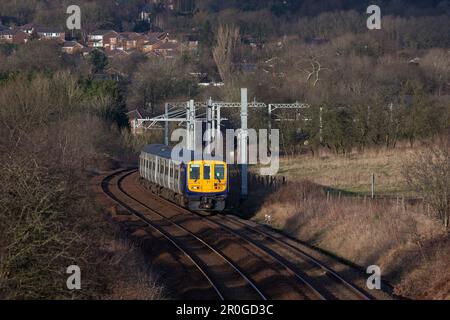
{"x": 194, "y": 171}
{"x": 176, "y": 174}
{"x": 219, "y": 171}
{"x": 206, "y": 172}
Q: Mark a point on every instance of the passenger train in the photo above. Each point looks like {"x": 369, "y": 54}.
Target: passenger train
{"x": 199, "y": 185}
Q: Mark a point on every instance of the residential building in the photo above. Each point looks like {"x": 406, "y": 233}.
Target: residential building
{"x": 169, "y": 49}
{"x": 72, "y": 47}
{"x": 14, "y": 36}
{"x": 103, "y": 39}
{"x": 49, "y": 33}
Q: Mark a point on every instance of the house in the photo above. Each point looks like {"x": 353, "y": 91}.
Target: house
{"x": 162, "y": 36}
{"x": 132, "y": 40}
{"x": 133, "y": 117}
{"x": 27, "y": 28}
{"x": 103, "y": 39}
{"x": 169, "y": 49}
{"x": 49, "y": 33}
{"x": 14, "y": 36}
{"x": 153, "y": 40}
{"x": 72, "y": 47}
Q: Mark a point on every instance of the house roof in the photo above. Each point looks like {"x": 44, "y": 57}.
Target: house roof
{"x": 12, "y": 32}
{"x": 27, "y": 26}
{"x": 152, "y": 40}
{"x": 133, "y": 36}
{"x": 171, "y": 46}
{"x": 159, "y": 35}
{"x": 48, "y": 30}
{"x": 102, "y": 32}
{"x": 71, "y": 44}
{"x": 116, "y": 52}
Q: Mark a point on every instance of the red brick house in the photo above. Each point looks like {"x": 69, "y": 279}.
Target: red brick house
{"x": 168, "y": 49}
{"x": 48, "y": 33}
{"x": 103, "y": 39}
{"x": 14, "y": 36}
{"x": 72, "y": 47}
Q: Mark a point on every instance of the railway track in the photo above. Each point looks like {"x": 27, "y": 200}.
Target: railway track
{"x": 235, "y": 259}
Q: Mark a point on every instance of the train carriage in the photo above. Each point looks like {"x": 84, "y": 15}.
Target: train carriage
{"x": 200, "y": 185}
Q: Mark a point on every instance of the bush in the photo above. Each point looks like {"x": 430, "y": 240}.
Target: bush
{"x": 428, "y": 173}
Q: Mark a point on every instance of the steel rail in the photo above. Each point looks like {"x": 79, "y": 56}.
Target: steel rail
{"x": 231, "y": 264}
{"x": 110, "y": 194}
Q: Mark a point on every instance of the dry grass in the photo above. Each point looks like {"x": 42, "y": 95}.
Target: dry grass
{"x": 410, "y": 247}
{"x": 353, "y": 172}
{"x": 130, "y": 279}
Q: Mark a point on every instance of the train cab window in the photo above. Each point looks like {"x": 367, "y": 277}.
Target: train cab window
{"x": 206, "y": 172}
{"x": 194, "y": 172}
{"x": 219, "y": 171}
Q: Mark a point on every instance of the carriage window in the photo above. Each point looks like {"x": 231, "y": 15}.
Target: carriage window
{"x": 219, "y": 171}
{"x": 207, "y": 172}
{"x": 194, "y": 171}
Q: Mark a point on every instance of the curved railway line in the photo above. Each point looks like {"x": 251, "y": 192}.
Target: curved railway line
{"x": 225, "y": 257}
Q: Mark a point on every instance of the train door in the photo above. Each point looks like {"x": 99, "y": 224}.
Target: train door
{"x": 208, "y": 182}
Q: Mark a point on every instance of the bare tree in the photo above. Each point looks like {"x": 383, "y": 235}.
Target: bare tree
{"x": 429, "y": 173}
{"x": 226, "y": 51}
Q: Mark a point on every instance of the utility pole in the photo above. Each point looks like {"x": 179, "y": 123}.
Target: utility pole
{"x": 209, "y": 125}
{"x": 191, "y": 125}
{"x": 321, "y": 125}
{"x": 373, "y": 185}
{"x": 166, "y": 124}
{"x": 243, "y": 144}
{"x": 269, "y": 123}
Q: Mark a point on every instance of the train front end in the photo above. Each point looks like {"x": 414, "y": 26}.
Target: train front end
{"x": 207, "y": 185}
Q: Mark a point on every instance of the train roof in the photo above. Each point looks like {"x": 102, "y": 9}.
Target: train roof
{"x": 163, "y": 151}
{"x": 159, "y": 150}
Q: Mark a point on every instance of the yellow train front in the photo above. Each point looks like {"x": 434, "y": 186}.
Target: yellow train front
{"x": 199, "y": 185}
